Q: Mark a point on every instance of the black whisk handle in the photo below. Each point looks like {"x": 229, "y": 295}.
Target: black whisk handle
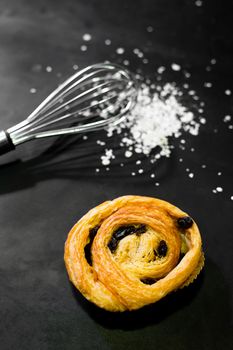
{"x": 6, "y": 144}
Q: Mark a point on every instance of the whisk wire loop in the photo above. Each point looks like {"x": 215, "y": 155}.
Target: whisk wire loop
{"x": 91, "y": 99}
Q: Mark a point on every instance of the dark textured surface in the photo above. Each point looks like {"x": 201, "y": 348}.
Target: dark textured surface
{"x": 42, "y": 196}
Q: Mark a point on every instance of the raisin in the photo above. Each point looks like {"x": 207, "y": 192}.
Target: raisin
{"x": 112, "y": 245}
{"x": 141, "y": 229}
{"x": 185, "y": 222}
{"x": 148, "y": 280}
{"x": 87, "y": 248}
{"x": 93, "y": 231}
{"x": 124, "y": 231}
{"x": 162, "y": 249}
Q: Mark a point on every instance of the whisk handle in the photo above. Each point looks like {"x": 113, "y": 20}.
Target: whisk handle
{"x": 6, "y": 144}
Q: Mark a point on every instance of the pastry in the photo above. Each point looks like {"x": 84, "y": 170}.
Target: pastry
{"x": 133, "y": 251}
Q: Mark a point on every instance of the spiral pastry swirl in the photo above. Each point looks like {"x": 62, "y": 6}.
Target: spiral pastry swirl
{"x": 132, "y": 251}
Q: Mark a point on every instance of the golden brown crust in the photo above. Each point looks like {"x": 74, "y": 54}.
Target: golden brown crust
{"x": 115, "y": 279}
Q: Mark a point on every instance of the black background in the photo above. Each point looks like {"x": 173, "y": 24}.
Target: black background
{"x": 47, "y": 186}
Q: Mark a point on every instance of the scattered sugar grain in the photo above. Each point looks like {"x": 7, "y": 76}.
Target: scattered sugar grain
{"x": 107, "y": 157}
{"x": 145, "y": 60}
{"x": 227, "y": 118}
{"x": 202, "y": 120}
{"x": 150, "y": 29}
{"x": 140, "y": 171}
{"x": 126, "y": 62}
{"x": 228, "y": 92}
{"x": 87, "y": 37}
{"x": 219, "y": 173}
{"x": 33, "y": 90}
{"x": 187, "y": 75}
{"x": 191, "y": 92}
{"x": 198, "y": 3}
{"x": 232, "y": 198}
{"x": 176, "y": 67}
{"x": 49, "y": 69}
{"x": 75, "y": 67}
{"x": 105, "y": 161}
{"x": 120, "y": 50}
{"x": 107, "y": 42}
{"x": 128, "y": 154}
{"x": 83, "y": 48}
{"x": 219, "y": 189}
{"x": 157, "y": 184}
{"x": 161, "y": 69}
{"x": 101, "y": 143}
{"x": 191, "y": 175}
{"x": 152, "y": 175}
{"x": 213, "y": 61}
{"x": 208, "y": 84}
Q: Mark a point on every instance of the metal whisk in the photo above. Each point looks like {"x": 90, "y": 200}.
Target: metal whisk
{"x": 91, "y": 99}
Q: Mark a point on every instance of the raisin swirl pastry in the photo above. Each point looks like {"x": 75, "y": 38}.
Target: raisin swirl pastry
{"x": 132, "y": 251}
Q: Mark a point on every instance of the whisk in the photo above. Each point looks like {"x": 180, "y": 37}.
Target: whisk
{"x": 91, "y": 99}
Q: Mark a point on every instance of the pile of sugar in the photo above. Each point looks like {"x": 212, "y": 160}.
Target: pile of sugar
{"x": 156, "y": 117}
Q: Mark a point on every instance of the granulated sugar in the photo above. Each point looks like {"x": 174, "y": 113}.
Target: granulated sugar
{"x": 176, "y": 67}
{"x": 156, "y": 117}
{"x": 169, "y": 109}
{"x": 106, "y": 158}
{"x": 87, "y": 37}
